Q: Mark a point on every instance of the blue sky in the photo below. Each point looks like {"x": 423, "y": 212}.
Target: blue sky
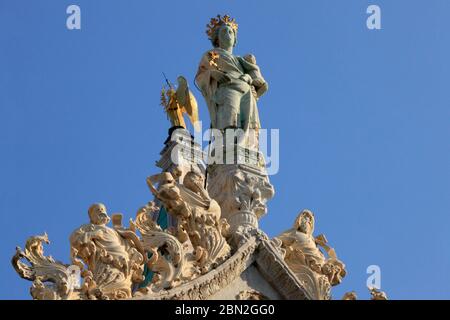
{"x": 363, "y": 118}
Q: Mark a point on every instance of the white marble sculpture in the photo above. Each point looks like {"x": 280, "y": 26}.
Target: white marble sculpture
{"x": 212, "y": 246}
{"x": 306, "y": 260}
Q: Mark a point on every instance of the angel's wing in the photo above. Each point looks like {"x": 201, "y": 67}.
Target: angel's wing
{"x": 191, "y": 108}
{"x": 187, "y": 101}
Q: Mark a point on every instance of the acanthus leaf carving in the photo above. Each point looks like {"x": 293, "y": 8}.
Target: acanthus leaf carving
{"x": 197, "y": 243}
{"x": 170, "y": 257}
{"x": 43, "y": 270}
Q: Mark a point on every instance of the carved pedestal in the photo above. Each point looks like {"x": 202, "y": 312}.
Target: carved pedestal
{"x": 242, "y": 191}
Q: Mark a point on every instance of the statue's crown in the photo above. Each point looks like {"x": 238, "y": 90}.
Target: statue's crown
{"x": 219, "y": 21}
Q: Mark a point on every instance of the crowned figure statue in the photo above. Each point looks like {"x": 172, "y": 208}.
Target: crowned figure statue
{"x": 229, "y": 83}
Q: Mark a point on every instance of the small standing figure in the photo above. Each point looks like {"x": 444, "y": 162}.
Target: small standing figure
{"x": 178, "y": 101}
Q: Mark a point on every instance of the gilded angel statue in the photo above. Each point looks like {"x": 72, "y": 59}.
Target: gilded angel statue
{"x": 179, "y": 101}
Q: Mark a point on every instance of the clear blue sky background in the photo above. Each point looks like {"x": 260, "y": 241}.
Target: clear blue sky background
{"x": 364, "y": 119}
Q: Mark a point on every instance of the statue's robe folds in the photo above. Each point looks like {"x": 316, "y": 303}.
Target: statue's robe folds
{"x": 106, "y": 253}
{"x": 230, "y": 104}
{"x": 305, "y": 244}
{"x": 204, "y": 226}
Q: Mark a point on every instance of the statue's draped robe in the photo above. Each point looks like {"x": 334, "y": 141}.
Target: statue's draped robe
{"x": 107, "y": 241}
{"x": 230, "y": 104}
{"x": 304, "y": 243}
{"x": 204, "y": 225}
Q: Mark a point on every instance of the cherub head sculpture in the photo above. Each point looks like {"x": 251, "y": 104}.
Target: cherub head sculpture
{"x": 222, "y": 31}
{"x": 98, "y": 215}
{"x": 305, "y": 222}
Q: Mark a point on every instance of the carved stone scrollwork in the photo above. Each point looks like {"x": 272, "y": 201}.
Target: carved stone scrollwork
{"x": 317, "y": 285}
{"x": 211, "y": 282}
{"x": 210, "y": 246}
{"x": 250, "y": 295}
{"x": 171, "y": 257}
{"x": 242, "y": 192}
{"x": 43, "y": 270}
{"x": 199, "y": 226}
